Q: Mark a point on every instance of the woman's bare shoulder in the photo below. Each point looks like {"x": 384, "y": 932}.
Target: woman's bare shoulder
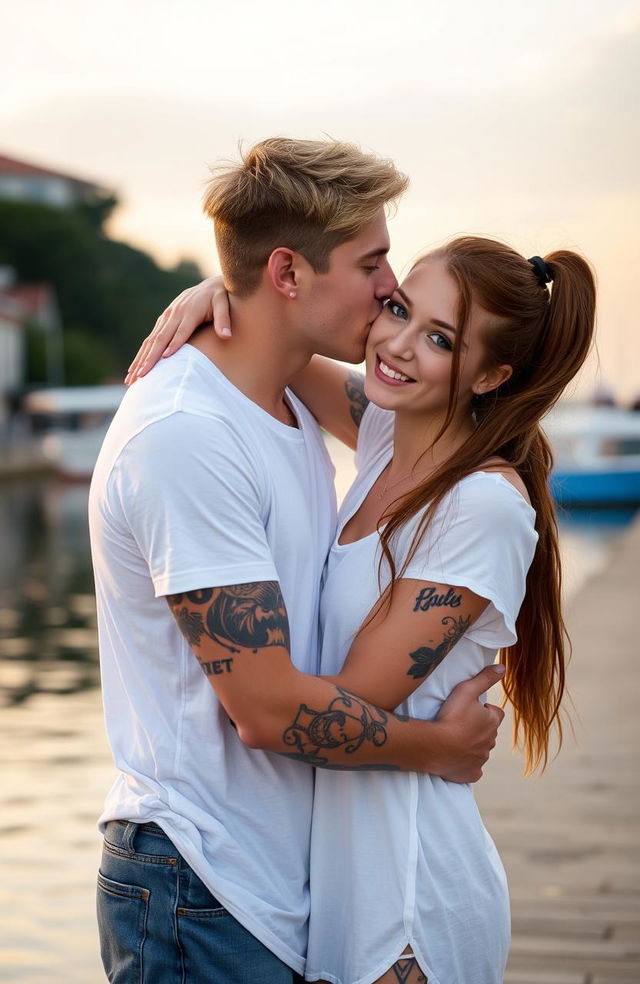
{"x": 502, "y": 467}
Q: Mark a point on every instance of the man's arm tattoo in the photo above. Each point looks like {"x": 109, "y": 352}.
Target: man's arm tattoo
{"x": 358, "y": 402}
{"x": 347, "y": 723}
{"x": 251, "y": 616}
{"x": 427, "y": 658}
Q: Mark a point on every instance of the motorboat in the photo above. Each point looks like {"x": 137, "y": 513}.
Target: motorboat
{"x": 596, "y": 455}
{"x": 70, "y": 423}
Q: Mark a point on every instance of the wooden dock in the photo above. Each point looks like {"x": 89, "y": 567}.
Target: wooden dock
{"x": 570, "y": 840}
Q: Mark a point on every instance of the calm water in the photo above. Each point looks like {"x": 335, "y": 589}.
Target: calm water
{"x": 47, "y": 611}
{"x": 54, "y": 759}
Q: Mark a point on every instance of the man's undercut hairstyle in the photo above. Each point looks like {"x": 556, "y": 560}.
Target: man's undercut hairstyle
{"x": 307, "y": 195}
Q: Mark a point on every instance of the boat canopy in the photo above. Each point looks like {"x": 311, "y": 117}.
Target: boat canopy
{"x": 75, "y": 399}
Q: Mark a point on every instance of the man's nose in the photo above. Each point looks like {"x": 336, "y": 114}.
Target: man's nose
{"x": 386, "y": 283}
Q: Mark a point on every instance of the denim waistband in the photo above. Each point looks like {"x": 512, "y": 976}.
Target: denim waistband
{"x": 123, "y": 834}
{"x": 148, "y": 828}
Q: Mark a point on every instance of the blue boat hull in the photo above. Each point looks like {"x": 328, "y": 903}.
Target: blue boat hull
{"x": 596, "y": 488}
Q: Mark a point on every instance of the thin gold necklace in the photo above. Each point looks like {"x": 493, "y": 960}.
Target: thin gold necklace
{"x": 387, "y": 487}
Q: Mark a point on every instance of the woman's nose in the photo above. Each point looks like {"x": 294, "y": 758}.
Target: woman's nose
{"x": 400, "y": 345}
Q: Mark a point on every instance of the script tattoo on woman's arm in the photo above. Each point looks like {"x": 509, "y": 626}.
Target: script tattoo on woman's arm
{"x": 358, "y": 402}
{"x": 347, "y": 723}
{"x": 250, "y": 616}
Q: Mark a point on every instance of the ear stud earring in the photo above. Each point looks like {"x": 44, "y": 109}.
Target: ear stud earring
{"x": 292, "y": 293}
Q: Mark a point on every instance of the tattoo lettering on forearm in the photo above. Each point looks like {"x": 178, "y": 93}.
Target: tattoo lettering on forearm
{"x": 358, "y": 402}
{"x": 429, "y": 598}
{"x": 215, "y": 667}
{"x": 347, "y": 724}
{"x": 251, "y": 616}
{"x": 427, "y": 658}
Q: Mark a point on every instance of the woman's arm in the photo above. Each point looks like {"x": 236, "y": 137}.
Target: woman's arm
{"x": 400, "y": 646}
{"x": 335, "y": 395}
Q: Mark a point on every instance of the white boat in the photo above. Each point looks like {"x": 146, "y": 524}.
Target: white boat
{"x": 70, "y": 424}
{"x": 597, "y": 455}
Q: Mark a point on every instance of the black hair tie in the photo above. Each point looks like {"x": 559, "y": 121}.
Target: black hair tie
{"x": 541, "y": 269}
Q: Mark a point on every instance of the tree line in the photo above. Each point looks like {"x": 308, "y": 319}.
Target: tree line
{"x": 109, "y": 293}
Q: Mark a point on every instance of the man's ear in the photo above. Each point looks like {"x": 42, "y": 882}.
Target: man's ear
{"x": 283, "y": 270}
{"x": 490, "y": 379}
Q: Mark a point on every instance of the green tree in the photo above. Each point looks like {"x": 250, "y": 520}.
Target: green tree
{"x": 109, "y": 293}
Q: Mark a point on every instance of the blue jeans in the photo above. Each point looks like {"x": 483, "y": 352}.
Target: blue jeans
{"x": 160, "y": 924}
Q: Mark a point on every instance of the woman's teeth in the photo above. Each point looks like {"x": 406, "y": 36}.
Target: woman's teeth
{"x": 392, "y": 374}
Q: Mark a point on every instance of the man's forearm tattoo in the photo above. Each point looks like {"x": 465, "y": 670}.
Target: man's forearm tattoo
{"x": 347, "y": 724}
{"x": 250, "y": 616}
{"x": 358, "y": 402}
{"x": 427, "y": 658}
{"x": 429, "y": 598}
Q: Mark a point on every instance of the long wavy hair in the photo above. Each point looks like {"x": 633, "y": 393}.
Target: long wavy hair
{"x": 544, "y": 334}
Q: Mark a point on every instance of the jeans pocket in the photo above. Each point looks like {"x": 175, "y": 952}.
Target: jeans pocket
{"x": 122, "y": 921}
{"x": 195, "y": 900}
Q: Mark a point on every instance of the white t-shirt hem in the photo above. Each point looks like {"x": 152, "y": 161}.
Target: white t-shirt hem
{"x": 212, "y": 577}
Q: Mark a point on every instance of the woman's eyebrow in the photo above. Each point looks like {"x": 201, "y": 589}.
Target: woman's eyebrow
{"x": 432, "y": 321}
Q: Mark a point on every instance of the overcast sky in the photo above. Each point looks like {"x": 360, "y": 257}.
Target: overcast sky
{"x": 513, "y": 119}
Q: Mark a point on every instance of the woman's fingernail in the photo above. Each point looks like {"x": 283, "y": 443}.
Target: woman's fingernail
{"x": 225, "y": 331}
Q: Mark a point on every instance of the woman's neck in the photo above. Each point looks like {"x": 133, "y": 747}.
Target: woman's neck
{"x": 417, "y": 446}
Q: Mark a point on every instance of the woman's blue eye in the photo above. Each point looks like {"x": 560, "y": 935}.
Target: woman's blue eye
{"x": 398, "y": 311}
{"x": 440, "y": 340}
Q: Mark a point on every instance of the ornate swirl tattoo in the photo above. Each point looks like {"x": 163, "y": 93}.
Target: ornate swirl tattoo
{"x": 347, "y": 723}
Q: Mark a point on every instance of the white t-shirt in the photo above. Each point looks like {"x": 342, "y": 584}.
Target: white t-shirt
{"x": 196, "y": 486}
{"x": 403, "y": 859}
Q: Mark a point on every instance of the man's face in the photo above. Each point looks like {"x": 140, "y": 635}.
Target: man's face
{"x": 343, "y": 303}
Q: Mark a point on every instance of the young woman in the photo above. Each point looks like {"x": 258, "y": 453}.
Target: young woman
{"x": 446, "y": 553}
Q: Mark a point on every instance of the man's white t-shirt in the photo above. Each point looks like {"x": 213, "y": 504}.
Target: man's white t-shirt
{"x": 195, "y": 487}
{"x": 401, "y": 859}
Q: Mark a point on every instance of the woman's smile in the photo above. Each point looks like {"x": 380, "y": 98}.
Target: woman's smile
{"x": 390, "y": 374}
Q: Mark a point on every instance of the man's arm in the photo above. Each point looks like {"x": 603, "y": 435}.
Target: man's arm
{"x": 240, "y": 636}
{"x": 335, "y": 395}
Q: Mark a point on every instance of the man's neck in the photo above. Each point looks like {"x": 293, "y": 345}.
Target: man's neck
{"x": 260, "y": 358}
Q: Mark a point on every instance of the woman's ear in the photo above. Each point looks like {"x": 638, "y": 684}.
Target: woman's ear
{"x": 490, "y": 379}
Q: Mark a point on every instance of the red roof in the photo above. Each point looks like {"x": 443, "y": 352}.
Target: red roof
{"x": 31, "y": 296}
{"x": 8, "y": 165}
{"x": 37, "y": 301}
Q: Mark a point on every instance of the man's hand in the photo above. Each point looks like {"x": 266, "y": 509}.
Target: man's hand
{"x": 206, "y": 302}
{"x": 472, "y": 726}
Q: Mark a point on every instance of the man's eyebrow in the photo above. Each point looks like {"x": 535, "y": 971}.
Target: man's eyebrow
{"x": 432, "y": 321}
{"x": 380, "y": 251}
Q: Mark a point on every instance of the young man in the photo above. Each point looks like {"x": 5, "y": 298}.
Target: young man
{"x": 211, "y": 513}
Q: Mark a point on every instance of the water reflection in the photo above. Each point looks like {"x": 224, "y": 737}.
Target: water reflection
{"x": 47, "y": 612}
{"x": 48, "y": 641}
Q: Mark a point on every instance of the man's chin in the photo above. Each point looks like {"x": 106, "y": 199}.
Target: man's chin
{"x": 354, "y": 356}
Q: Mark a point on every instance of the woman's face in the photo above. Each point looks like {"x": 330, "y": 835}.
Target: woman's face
{"x": 409, "y": 349}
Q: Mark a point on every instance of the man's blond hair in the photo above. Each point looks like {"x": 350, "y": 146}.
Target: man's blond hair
{"x": 307, "y": 195}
